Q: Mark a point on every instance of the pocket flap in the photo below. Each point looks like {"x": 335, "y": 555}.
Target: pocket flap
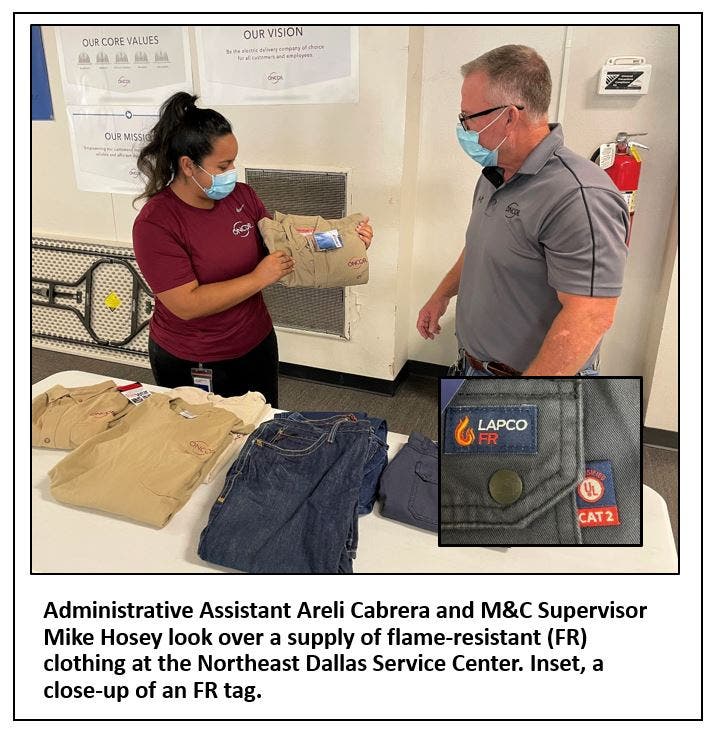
{"x": 427, "y": 471}
{"x": 511, "y": 449}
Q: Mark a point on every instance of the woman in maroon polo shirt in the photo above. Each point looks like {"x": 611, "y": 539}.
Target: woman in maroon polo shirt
{"x": 198, "y": 246}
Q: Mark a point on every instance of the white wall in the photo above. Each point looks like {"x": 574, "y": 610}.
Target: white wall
{"x": 409, "y": 174}
{"x": 662, "y": 411}
{"x": 592, "y": 119}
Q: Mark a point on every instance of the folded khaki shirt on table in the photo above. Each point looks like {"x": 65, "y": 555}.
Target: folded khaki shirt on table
{"x": 62, "y": 418}
{"x": 293, "y": 234}
{"x": 147, "y": 465}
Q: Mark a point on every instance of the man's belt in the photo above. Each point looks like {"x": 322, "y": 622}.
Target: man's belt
{"x": 496, "y": 368}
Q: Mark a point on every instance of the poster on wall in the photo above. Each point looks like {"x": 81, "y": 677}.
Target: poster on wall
{"x": 105, "y": 144}
{"x": 277, "y": 65}
{"x": 117, "y": 65}
{"x": 41, "y": 99}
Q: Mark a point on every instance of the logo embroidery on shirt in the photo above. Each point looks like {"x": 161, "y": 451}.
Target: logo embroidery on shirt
{"x": 100, "y": 414}
{"x": 480, "y": 198}
{"x": 512, "y": 210}
{"x": 240, "y": 209}
{"x": 356, "y": 262}
{"x": 242, "y": 228}
{"x": 201, "y": 448}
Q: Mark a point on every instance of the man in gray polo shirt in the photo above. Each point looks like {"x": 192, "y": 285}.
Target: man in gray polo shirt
{"x": 539, "y": 277}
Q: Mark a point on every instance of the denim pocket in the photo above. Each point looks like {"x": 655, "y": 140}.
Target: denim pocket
{"x": 289, "y": 444}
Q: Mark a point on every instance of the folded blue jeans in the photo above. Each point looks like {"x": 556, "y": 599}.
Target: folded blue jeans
{"x": 289, "y": 502}
{"x": 377, "y": 459}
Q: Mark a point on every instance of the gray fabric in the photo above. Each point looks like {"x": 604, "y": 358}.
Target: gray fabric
{"x": 579, "y": 421}
{"x": 612, "y": 426}
{"x": 559, "y": 224}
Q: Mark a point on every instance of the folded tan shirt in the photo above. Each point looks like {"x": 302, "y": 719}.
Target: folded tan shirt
{"x": 62, "y": 418}
{"x": 147, "y": 465}
{"x": 345, "y": 266}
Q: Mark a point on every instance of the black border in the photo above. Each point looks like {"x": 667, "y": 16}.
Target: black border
{"x": 442, "y": 13}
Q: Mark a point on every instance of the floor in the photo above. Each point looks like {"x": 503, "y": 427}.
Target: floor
{"x": 412, "y": 408}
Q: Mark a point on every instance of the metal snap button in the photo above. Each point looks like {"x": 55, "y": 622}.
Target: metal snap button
{"x": 47, "y": 440}
{"x": 505, "y": 486}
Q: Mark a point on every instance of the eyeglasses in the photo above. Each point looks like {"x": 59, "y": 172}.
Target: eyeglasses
{"x": 463, "y": 118}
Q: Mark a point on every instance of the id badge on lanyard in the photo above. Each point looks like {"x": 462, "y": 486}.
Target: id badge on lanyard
{"x": 203, "y": 378}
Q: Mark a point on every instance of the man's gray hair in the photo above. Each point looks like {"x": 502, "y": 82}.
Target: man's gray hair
{"x": 518, "y": 76}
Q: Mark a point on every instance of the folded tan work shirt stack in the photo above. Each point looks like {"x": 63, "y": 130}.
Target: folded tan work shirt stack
{"x": 147, "y": 465}
{"x": 62, "y": 418}
{"x": 343, "y": 266}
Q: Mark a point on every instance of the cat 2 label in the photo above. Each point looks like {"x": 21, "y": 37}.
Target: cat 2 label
{"x": 490, "y": 430}
{"x": 596, "y": 496}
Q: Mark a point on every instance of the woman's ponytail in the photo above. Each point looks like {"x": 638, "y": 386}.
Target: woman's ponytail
{"x": 182, "y": 130}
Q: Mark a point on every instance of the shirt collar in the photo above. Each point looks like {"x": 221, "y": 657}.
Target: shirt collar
{"x": 534, "y": 162}
{"x": 85, "y": 391}
{"x": 537, "y": 159}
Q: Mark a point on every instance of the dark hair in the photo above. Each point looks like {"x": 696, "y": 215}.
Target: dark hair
{"x": 183, "y": 130}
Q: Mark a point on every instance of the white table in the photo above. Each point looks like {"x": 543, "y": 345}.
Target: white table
{"x": 68, "y": 539}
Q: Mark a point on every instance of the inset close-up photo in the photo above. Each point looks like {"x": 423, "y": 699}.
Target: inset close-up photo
{"x": 545, "y": 462}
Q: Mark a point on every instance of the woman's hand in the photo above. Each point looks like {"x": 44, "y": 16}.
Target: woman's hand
{"x": 273, "y": 267}
{"x": 364, "y": 230}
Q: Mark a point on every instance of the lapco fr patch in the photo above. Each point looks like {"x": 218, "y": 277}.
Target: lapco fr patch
{"x": 490, "y": 430}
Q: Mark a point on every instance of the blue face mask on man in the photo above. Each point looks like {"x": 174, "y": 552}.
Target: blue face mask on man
{"x": 469, "y": 140}
{"x": 221, "y": 184}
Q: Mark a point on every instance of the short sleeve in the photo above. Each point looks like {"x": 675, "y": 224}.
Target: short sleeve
{"x": 584, "y": 241}
{"x": 162, "y": 259}
{"x": 260, "y": 207}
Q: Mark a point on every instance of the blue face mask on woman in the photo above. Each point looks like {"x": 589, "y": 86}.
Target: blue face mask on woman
{"x": 469, "y": 140}
{"x": 221, "y": 184}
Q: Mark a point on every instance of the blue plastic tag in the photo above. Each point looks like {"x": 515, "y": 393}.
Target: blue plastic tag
{"x": 329, "y": 240}
{"x": 490, "y": 430}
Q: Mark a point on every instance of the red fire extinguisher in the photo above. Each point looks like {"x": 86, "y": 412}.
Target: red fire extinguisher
{"x": 621, "y": 161}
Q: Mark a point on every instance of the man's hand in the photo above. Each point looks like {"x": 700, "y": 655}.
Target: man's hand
{"x": 428, "y": 318}
{"x": 430, "y": 313}
{"x": 573, "y": 335}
